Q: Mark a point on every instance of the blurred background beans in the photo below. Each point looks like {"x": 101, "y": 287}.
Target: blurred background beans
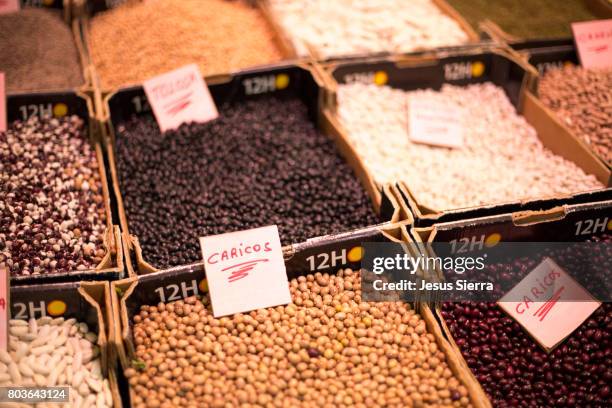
{"x": 344, "y": 27}
{"x": 583, "y": 101}
{"x": 527, "y": 19}
{"x": 262, "y": 162}
{"x": 138, "y": 40}
{"x": 38, "y": 52}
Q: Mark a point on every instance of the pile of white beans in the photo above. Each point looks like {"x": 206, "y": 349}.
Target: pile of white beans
{"x": 501, "y": 160}
{"x": 55, "y": 352}
{"x": 348, "y": 27}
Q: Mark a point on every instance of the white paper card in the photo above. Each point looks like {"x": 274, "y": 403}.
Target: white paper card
{"x": 553, "y": 304}
{"x": 245, "y": 270}
{"x": 180, "y": 96}
{"x": 9, "y": 6}
{"x": 434, "y": 122}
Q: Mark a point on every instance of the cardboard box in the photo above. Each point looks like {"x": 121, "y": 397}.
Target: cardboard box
{"x": 444, "y": 7}
{"x": 301, "y": 81}
{"x": 482, "y": 64}
{"x": 178, "y": 283}
{"x": 88, "y": 302}
{"x": 58, "y": 104}
{"x": 555, "y": 56}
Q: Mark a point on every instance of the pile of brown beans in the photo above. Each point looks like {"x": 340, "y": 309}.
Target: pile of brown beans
{"x": 324, "y": 349}
{"x": 583, "y": 101}
{"x": 138, "y": 40}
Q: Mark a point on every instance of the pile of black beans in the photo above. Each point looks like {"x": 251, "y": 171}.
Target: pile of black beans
{"x": 262, "y": 162}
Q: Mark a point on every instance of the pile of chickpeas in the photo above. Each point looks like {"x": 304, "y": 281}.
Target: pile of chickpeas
{"x": 325, "y": 349}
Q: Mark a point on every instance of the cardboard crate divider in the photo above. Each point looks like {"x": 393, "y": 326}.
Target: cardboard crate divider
{"x": 229, "y": 88}
{"x": 124, "y": 290}
{"x": 21, "y": 106}
{"x": 88, "y": 302}
{"x": 502, "y": 67}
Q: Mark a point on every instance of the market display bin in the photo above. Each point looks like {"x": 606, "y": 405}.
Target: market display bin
{"x": 69, "y": 15}
{"x": 547, "y": 57}
{"x": 86, "y": 10}
{"x": 554, "y": 230}
{"x": 483, "y": 64}
{"x": 62, "y": 104}
{"x": 85, "y": 302}
{"x": 183, "y": 282}
{"x": 297, "y": 80}
{"x": 310, "y": 52}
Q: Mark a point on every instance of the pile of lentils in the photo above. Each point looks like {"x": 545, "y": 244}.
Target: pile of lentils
{"x": 527, "y": 19}
{"x": 325, "y": 349}
{"x": 583, "y": 101}
{"x": 345, "y": 27}
{"x": 138, "y": 40}
{"x": 501, "y": 160}
{"x": 52, "y": 216}
{"x": 260, "y": 163}
{"x": 38, "y": 52}
{"x": 511, "y": 366}
{"x": 55, "y": 353}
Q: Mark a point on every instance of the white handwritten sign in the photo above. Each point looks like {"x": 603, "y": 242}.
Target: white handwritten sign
{"x": 434, "y": 122}
{"x": 594, "y": 42}
{"x": 245, "y": 270}
{"x": 180, "y": 96}
{"x": 9, "y": 6}
{"x": 551, "y": 304}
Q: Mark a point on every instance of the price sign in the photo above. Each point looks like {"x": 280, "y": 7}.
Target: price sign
{"x": 434, "y": 122}
{"x": 180, "y": 96}
{"x": 549, "y": 304}
{"x": 594, "y": 42}
{"x": 245, "y": 270}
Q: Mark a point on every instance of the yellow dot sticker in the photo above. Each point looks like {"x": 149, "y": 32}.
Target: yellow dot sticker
{"x": 492, "y": 240}
{"x": 381, "y": 78}
{"x": 60, "y": 110}
{"x": 610, "y": 225}
{"x": 568, "y": 64}
{"x": 56, "y": 308}
{"x": 355, "y": 254}
{"x": 48, "y": 2}
{"x": 203, "y": 286}
{"x": 478, "y": 68}
{"x": 282, "y": 81}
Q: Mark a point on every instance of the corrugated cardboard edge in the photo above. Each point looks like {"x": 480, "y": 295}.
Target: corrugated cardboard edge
{"x": 326, "y": 126}
{"x": 95, "y": 293}
{"x": 477, "y": 393}
{"x": 455, "y": 359}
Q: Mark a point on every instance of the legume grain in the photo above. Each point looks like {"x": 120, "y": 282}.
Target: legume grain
{"x": 583, "y": 101}
{"x": 527, "y": 19}
{"x": 38, "y": 52}
{"x": 138, "y": 40}
{"x": 502, "y": 159}
{"x": 56, "y": 352}
{"x": 345, "y": 27}
{"x": 52, "y": 215}
{"x": 324, "y": 349}
{"x": 261, "y": 162}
